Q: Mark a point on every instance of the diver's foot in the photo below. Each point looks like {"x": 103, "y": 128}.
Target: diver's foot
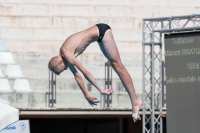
{"x": 136, "y": 109}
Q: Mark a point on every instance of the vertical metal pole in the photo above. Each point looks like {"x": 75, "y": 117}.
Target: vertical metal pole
{"x": 152, "y": 88}
{"x": 103, "y": 96}
{"x": 161, "y": 80}
{"x": 109, "y": 98}
{"x": 106, "y": 79}
{"x": 143, "y": 79}
{"x": 52, "y": 90}
{"x": 49, "y": 88}
{"x": 108, "y": 83}
{"x": 152, "y": 80}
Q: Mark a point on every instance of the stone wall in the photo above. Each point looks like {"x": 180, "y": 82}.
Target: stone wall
{"x": 33, "y": 31}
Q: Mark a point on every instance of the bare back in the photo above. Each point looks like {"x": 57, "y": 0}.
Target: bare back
{"x": 78, "y": 42}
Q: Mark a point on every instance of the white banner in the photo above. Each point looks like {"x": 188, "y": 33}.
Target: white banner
{"x": 21, "y": 126}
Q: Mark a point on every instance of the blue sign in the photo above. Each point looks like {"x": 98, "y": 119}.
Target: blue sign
{"x": 10, "y": 128}
{"x": 21, "y": 126}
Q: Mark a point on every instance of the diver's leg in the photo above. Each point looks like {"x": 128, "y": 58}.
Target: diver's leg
{"x": 111, "y": 52}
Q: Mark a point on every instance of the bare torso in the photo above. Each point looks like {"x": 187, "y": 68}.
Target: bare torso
{"x": 78, "y": 42}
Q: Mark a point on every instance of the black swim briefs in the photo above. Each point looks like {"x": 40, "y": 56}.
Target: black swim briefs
{"x": 102, "y": 29}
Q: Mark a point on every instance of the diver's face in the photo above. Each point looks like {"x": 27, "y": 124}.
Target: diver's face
{"x": 60, "y": 68}
{"x": 57, "y": 72}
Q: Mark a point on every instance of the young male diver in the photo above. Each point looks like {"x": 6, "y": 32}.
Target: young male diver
{"x": 75, "y": 45}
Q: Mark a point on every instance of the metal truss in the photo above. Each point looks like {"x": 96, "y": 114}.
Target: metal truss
{"x": 152, "y": 29}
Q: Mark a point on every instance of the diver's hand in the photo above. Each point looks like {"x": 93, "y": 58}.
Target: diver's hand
{"x": 107, "y": 91}
{"x": 92, "y": 100}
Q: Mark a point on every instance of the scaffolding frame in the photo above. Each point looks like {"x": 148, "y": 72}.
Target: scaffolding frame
{"x": 152, "y": 73}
